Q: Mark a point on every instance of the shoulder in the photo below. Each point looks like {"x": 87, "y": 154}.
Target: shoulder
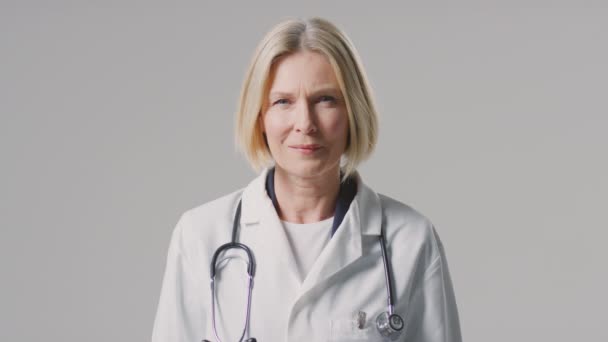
{"x": 218, "y": 209}
{"x": 205, "y": 223}
{"x": 403, "y": 214}
{"x": 407, "y": 226}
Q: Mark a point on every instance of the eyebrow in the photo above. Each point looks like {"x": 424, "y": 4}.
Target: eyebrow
{"x": 330, "y": 89}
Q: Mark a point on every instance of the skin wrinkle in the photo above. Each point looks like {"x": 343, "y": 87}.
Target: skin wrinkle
{"x": 305, "y": 106}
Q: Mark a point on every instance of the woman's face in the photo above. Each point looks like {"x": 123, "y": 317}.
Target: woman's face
{"x": 304, "y": 116}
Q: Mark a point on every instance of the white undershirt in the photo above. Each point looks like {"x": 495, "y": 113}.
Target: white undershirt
{"x": 307, "y": 240}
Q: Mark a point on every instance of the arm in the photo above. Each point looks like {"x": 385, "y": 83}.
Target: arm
{"x": 180, "y": 313}
{"x": 433, "y": 303}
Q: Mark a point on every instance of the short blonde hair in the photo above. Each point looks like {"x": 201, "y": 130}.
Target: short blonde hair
{"x": 318, "y": 35}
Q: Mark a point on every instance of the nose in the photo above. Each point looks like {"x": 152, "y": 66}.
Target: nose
{"x": 304, "y": 118}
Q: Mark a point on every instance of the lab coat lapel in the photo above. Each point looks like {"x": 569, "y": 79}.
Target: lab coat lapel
{"x": 343, "y": 249}
{"x": 258, "y": 213}
{"x": 363, "y": 217}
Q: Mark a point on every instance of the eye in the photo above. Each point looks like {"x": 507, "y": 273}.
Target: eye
{"x": 327, "y": 98}
{"x": 280, "y": 102}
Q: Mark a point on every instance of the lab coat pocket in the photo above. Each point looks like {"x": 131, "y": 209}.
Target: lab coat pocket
{"x": 346, "y": 330}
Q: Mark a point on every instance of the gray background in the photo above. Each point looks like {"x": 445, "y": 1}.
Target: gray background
{"x": 116, "y": 117}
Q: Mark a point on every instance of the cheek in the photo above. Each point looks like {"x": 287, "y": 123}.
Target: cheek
{"x": 274, "y": 127}
{"x": 337, "y": 127}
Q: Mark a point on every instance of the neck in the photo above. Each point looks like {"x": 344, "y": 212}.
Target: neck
{"x": 306, "y": 199}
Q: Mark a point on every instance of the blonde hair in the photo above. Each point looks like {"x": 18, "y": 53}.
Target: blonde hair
{"x": 318, "y": 35}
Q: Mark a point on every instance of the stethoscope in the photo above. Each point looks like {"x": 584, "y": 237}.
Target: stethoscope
{"x": 388, "y": 323}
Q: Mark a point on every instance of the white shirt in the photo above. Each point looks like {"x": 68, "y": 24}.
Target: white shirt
{"x": 307, "y": 240}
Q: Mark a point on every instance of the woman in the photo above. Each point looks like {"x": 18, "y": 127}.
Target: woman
{"x": 323, "y": 246}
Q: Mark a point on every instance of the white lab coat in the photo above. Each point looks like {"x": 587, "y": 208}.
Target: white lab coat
{"x": 347, "y": 277}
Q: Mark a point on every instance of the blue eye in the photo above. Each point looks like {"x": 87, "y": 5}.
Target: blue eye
{"x": 327, "y": 98}
{"x": 281, "y": 101}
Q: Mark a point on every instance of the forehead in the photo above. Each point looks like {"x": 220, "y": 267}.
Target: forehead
{"x": 304, "y": 68}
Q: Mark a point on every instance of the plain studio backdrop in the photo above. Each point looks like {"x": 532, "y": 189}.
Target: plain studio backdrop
{"x": 116, "y": 117}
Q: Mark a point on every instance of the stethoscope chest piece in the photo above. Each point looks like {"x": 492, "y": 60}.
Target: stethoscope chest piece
{"x": 390, "y": 326}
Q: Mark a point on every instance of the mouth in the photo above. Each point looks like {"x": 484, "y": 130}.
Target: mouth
{"x": 306, "y": 149}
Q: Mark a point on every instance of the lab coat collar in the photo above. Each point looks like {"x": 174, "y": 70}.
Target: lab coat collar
{"x": 365, "y": 208}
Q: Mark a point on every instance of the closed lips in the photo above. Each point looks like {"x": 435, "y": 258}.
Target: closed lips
{"x": 306, "y": 147}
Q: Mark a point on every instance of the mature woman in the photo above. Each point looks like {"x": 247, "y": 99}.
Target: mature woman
{"x": 306, "y": 251}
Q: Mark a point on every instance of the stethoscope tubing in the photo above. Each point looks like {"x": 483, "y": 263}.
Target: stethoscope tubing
{"x": 387, "y": 274}
{"x": 247, "y": 313}
{"x": 251, "y": 271}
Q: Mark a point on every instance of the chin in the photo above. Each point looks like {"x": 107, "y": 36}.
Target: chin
{"x": 307, "y": 169}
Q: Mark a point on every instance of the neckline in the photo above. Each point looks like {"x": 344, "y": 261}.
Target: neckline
{"x": 303, "y": 225}
{"x": 348, "y": 190}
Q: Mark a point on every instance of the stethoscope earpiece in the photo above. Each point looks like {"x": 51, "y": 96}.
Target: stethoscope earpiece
{"x": 390, "y": 326}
